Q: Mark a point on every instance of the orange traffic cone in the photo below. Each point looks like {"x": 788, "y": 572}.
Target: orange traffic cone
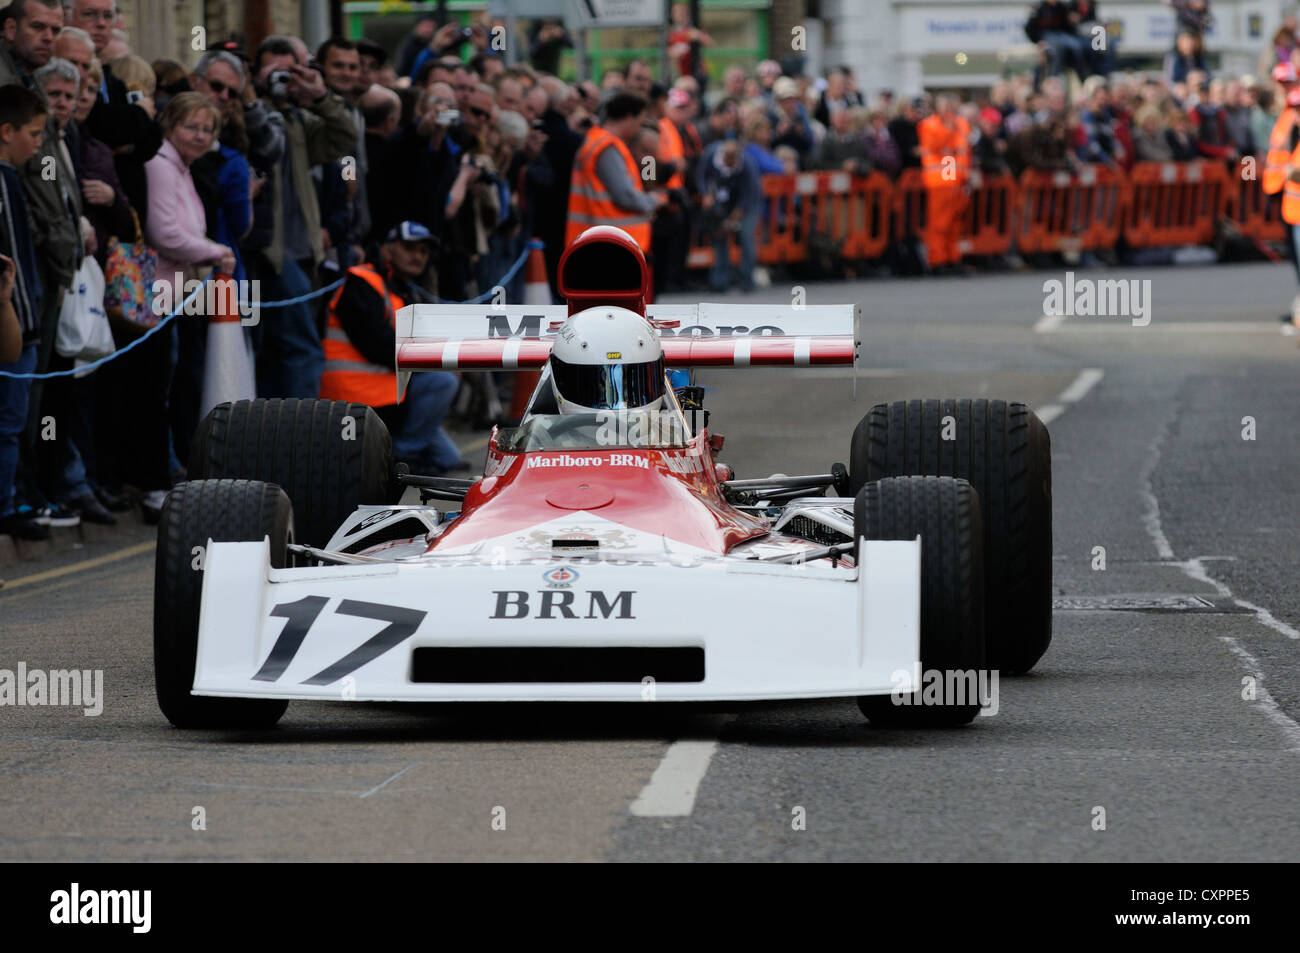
{"x": 228, "y": 367}
{"x": 536, "y": 291}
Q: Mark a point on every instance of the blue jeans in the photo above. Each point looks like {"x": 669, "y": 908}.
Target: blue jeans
{"x": 13, "y": 417}
{"x": 420, "y": 440}
{"x": 720, "y": 273}
{"x": 291, "y": 358}
{"x": 1066, "y": 50}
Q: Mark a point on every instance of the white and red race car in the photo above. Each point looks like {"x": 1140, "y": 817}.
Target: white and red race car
{"x": 603, "y": 556}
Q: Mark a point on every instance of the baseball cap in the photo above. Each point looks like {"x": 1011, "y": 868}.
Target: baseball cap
{"x": 1293, "y": 97}
{"x": 410, "y": 232}
{"x": 1284, "y": 73}
{"x": 678, "y": 97}
{"x": 989, "y": 114}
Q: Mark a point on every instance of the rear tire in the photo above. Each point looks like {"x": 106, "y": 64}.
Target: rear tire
{"x": 945, "y": 513}
{"x": 330, "y": 456}
{"x": 224, "y": 511}
{"x": 1004, "y": 451}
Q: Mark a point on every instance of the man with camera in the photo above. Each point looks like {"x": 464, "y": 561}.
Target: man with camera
{"x": 318, "y": 129}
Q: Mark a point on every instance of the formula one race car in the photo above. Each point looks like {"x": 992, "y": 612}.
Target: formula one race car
{"x": 604, "y": 554}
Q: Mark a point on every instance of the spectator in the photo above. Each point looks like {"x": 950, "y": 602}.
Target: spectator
{"x": 605, "y": 188}
{"x": 1185, "y": 58}
{"x": 990, "y": 149}
{"x": 727, "y": 182}
{"x": 758, "y": 137}
{"x": 318, "y": 129}
{"x": 1259, "y": 101}
{"x": 1098, "y": 46}
{"x": 880, "y": 146}
{"x": 835, "y": 96}
{"x": 105, "y": 204}
{"x": 1180, "y": 137}
{"x": 361, "y": 348}
{"x": 684, "y": 42}
{"x": 340, "y": 61}
{"x": 547, "y": 40}
{"x": 843, "y": 148}
{"x": 474, "y": 207}
{"x": 1210, "y": 122}
{"x": 562, "y": 144}
{"x": 1149, "y": 136}
{"x": 414, "y": 44}
{"x": 792, "y": 127}
{"x": 903, "y": 130}
{"x": 638, "y": 78}
{"x": 1050, "y": 27}
{"x": 178, "y": 233}
{"x": 22, "y": 128}
{"x": 1098, "y": 142}
{"x": 720, "y": 124}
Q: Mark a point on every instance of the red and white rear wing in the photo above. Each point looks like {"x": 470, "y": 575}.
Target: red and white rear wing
{"x": 435, "y": 337}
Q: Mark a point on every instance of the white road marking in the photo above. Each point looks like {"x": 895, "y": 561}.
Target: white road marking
{"x": 1078, "y": 389}
{"x": 672, "y": 788}
{"x": 1048, "y": 323}
{"x": 1195, "y": 569}
{"x": 383, "y": 784}
{"x": 1085, "y": 382}
{"x": 1263, "y": 700}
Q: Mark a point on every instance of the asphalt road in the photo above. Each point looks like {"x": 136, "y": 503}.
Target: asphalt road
{"x": 1137, "y": 714}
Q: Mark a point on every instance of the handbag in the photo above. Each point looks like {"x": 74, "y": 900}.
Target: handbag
{"x": 83, "y": 330}
{"x": 129, "y": 272}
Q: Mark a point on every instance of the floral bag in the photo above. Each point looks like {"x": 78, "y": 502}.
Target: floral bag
{"x": 129, "y": 273}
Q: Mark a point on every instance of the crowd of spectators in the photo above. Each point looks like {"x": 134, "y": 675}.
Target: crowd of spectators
{"x": 290, "y": 166}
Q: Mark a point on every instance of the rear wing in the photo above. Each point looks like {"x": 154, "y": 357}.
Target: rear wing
{"x": 436, "y": 337}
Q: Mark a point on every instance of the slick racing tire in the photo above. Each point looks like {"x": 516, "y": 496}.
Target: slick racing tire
{"x": 1005, "y": 453}
{"x": 945, "y": 513}
{"x": 328, "y": 455}
{"x": 194, "y": 512}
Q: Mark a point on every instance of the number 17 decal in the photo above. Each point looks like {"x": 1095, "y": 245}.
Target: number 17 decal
{"x": 301, "y": 615}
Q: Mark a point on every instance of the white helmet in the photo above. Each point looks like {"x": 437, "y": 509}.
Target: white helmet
{"x": 607, "y": 358}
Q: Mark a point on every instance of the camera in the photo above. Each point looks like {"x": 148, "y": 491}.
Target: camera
{"x": 467, "y": 34}
{"x": 448, "y": 117}
{"x": 134, "y": 96}
{"x": 278, "y": 83}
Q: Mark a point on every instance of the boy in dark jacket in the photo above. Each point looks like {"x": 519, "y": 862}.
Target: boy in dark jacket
{"x": 22, "y": 130}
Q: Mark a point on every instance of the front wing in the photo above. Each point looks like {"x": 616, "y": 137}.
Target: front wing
{"x": 706, "y": 629}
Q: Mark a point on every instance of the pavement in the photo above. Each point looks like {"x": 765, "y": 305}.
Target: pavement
{"x": 1160, "y": 726}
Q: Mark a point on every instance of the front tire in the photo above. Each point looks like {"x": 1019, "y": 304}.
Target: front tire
{"x": 330, "y": 456}
{"x": 945, "y": 513}
{"x": 224, "y": 511}
{"x": 1004, "y": 451}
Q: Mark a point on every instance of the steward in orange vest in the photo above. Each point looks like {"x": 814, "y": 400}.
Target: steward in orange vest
{"x": 360, "y": 327}
{"x": 606, "y": 185}
{"x": 1283, "y": 139}
{"x": 945, "y": 169}
{"x": 361, "y": 353}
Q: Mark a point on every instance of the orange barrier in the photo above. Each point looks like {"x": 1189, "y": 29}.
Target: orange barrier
{"x": 1254, "y": 214}
{"x": 1176, "y": 203}
{"x": 1155, "y": 204}
{"x": 1058, "y": 211}
{"x": 990, "y": 215}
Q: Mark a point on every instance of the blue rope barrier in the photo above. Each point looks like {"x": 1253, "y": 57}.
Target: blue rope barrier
{"x": 94, "y": 365}
{"x": 505, "y": 279}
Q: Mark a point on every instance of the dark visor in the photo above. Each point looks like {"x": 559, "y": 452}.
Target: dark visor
{"x": 609, "y": 386}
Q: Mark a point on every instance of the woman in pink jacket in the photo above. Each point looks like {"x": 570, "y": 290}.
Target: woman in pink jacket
{"x": 177, "y": 230}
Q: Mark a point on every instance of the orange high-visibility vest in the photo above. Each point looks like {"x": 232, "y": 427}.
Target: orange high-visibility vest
{"x": 672, "y": 150}
{"x": 1291, "y": 194}
{"x": 590, "y": 204}
{"x": 348, "y": 375}
{"x": 939, "y": 141}
{"x": 1279, "y": 152}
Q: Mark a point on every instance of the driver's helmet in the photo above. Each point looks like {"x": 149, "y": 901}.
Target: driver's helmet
{"x": 607, "y": 358}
